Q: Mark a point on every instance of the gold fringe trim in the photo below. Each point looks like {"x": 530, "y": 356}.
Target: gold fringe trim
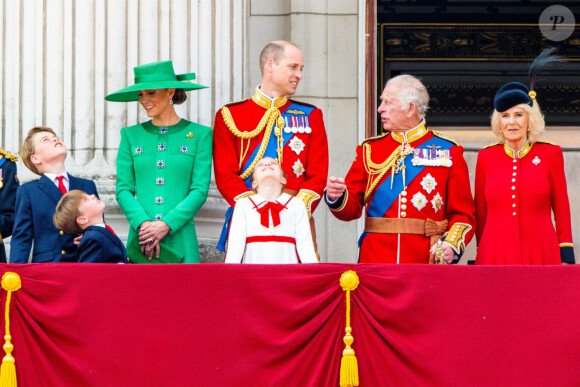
{"x": 10, "y": 282}
{"x": 269, "y": 119}
{"x": 348, "y": 364}
{"x": 8, "y": 155}
{"x": 391, "y": 163}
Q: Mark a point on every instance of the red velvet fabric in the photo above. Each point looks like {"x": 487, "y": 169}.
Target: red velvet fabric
{"x": 282, "y": 325}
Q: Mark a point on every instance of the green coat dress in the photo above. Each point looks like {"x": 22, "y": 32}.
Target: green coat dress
{"x": 163, "y": 173}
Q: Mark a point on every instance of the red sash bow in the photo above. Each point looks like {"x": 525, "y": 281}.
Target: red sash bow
{"x": 273, "y": 208}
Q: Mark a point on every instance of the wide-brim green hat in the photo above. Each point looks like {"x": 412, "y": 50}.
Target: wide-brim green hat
{"x": 158, "y": 75}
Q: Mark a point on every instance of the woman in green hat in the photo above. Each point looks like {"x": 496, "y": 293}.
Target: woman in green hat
{"x": 163, "y": 168}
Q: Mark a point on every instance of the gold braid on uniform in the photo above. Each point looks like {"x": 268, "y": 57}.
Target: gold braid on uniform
{"x": 374, "y": 169}
{"x": 271, "y": 117}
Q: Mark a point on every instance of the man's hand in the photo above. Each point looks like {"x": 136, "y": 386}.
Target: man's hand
{"x": 448, "y": 253}
{"x": 335, "y": 187}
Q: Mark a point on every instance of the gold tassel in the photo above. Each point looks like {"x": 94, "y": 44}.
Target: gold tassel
{"x": 11, "y": 283}
{"x": 348, "y": 365}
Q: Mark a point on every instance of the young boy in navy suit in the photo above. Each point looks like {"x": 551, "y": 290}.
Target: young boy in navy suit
{"x": 44, "y": 154}
{"x": 8, "y": 186}
{"x": 77, "y": 212}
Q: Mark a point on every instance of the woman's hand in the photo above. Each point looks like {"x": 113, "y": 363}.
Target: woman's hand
{"x": 150, "y": 235}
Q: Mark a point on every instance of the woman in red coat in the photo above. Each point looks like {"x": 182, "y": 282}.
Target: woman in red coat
{"x": 518, "y": 183}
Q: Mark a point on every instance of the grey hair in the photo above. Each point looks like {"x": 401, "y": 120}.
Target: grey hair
{"x": 412, "y": 91}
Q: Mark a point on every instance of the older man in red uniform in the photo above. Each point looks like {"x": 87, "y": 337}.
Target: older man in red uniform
{"x": 413, "y": 182}
{"x": 269, "y": 124}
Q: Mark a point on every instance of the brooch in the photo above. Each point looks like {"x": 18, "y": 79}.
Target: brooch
{"x": 298, "y": 168}
{"x": 429, "y": 183}
{"x": 437, "y": 202}
{"x": 297, "y": 145}
{"x": 189, "y": 135}
{"x": 536, "y": 160}
{"x": 419, "y": 201}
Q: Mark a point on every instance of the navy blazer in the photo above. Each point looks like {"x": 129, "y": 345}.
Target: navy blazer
{"x": 100, "y": 245}
{"x": 35, "y": 204}
{"x": 8, "y": 189}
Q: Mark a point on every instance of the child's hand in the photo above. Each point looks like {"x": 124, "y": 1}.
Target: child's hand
{"x": 77, "y": 240}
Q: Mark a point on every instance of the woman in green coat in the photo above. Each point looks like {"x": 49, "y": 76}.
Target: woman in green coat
{"x": 163, "y": 167}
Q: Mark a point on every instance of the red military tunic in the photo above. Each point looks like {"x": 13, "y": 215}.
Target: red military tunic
{"x": 439, "y": 190}
{"x": 515, "y": 194}
{"x": 304, "y": 153}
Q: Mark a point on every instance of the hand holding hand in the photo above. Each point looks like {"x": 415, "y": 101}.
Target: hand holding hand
{"x": 149, "y": 236}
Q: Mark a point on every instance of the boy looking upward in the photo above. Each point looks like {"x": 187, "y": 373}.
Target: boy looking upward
{"x": 44, "y": 154}
{"x": 76, "y": 213}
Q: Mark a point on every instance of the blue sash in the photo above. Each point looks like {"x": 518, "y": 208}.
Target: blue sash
{"x": 271, "y": 151}
{"x": 384, "y": 196}
{"x": 2, "y": 160}
{"x": 271, "y": 148}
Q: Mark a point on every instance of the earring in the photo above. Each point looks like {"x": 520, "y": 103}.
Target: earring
{"x": 170, "y": 100}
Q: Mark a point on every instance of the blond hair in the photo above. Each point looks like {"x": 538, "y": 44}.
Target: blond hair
{"x": 28, "y": 150}
{"x": 67, "y": 211}
{"x": 536, "y": 123}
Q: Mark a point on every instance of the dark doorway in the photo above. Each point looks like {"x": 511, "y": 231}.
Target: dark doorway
{"x": 465, "y": 50}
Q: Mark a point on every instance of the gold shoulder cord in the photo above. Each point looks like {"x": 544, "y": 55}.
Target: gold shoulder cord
{"x": 377, "y": 171}
{"x": 271, "y": 117}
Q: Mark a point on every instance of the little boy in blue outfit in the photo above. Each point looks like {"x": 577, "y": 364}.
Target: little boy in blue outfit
{"x": 44, "y": 154}
{"x": 78, "y": 212}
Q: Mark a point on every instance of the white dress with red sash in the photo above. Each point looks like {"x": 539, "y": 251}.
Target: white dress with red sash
{"x": 265, "y": 231}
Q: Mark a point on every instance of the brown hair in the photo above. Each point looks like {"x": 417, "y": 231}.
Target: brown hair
{"x": 274, "y": 50}
{"x": 283, "y": 174}
{"x": 179, "y": 96}
{"x": 67, "y": 212}
{"x": 28, "y": 150}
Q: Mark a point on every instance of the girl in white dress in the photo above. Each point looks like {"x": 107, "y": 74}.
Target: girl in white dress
{"x": 271, "y": 226}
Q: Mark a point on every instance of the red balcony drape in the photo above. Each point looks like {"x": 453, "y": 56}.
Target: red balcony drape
{"x": 282, "y": 325}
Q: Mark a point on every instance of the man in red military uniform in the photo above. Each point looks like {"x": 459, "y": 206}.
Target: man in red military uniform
{"x": 413, "y": 182}
{"x": 269, "y": 124}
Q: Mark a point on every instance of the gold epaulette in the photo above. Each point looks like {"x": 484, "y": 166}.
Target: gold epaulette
{"x": 8, "y": 155}
{"x": 374, "y": 138}
{"x": 303, "y": 103}
{"x": 233, "y": 103}
{"x": 441, "y": 135}
{"x": 490, "y": 145}
{"x": 547, "y": 142}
